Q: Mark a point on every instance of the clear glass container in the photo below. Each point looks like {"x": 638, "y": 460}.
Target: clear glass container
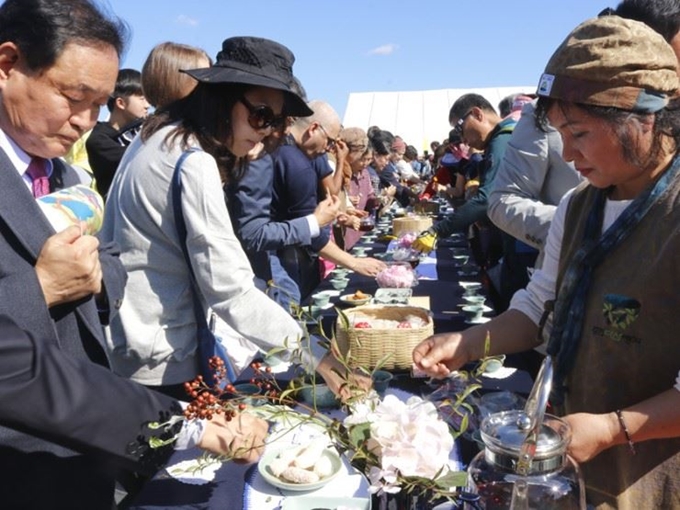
{"x": 552, "y": 481}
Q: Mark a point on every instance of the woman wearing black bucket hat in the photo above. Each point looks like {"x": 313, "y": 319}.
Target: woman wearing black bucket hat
{"x": 611, "y": 269}
{"x": 241, "y": 99}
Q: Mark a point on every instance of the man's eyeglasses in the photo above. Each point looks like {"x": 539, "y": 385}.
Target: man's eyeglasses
{"x": 458, "y": 128}
{"x": 330, "y": 142}
{"x": 262, "y": 117}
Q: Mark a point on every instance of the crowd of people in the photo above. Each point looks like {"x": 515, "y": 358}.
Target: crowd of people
{"x": 562, "y": 193}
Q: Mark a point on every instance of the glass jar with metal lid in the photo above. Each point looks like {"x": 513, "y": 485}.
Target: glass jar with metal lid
{"x": 524, "y": 463}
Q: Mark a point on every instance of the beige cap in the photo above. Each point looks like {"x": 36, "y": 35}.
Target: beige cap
{"x": 615, "y": 62}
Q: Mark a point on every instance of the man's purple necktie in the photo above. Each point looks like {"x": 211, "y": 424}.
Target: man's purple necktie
{"x": 37, "y": 171}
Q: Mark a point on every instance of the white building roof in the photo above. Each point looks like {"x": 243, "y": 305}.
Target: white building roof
{"x": 419, "y": 117}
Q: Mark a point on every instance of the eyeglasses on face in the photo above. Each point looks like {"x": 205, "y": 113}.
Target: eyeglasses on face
{"x": 459, "y": 124}
{"x": 262, "y": 116}
{"x": 330, "y": 142}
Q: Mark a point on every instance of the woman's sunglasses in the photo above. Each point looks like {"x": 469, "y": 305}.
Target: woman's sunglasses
{"x": 262, "y": 117}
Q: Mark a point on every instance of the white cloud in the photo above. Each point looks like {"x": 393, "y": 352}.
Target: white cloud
{"x": 183, "y": 19}
{"x": 385, "y": 49}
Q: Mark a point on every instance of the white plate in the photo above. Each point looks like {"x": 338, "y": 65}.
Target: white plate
{"x": 470, "y": 285}
{"x": 315, "y": 502}
{"x": 347, "y": 298}
{"x": 268, "y": 457}
{"x": 481, "y": 320}
{"x": 332, "y": 293}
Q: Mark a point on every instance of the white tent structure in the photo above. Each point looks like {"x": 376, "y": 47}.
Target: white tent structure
{"x": 419, "y": 117}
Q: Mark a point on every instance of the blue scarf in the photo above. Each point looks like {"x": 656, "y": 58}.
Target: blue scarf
{"x": 571, "y": 301}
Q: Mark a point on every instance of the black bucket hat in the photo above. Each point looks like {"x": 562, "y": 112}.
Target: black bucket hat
{"x": 255, "y": 61}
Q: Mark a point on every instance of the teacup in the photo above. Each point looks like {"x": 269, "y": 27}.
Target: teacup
{"x": 321, "y": 299}
{"x": 474, "y": 312}
{"x": 340, "y": 272}
{"x": 247, "y": 393}
{"x": 381, "y": 381}
{"x": 461, "y": 260}
{"x": 319, "y": 395}
{"x": 494, "y": 363}
{"x": 359, "y": 251}
{"x": 475, "y": 299}
{"x": 471, "y": 288}
{"x": 339, "y": 283}
{"x": 313, "y": 311}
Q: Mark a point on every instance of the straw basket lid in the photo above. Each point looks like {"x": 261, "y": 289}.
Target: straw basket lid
{"x": 391, "y": 348}
{"x": 410, "y": 224}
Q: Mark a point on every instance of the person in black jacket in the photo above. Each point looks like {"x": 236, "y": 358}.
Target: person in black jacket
{"x": 107, "y": 143}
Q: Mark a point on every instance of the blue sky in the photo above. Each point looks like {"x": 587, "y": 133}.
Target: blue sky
{"x": 372, "y": 45}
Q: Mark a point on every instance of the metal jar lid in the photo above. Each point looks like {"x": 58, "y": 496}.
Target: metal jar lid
{"x": 503, "y": 438}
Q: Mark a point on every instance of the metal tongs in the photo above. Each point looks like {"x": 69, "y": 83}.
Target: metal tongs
{"x": 531, "y": 420}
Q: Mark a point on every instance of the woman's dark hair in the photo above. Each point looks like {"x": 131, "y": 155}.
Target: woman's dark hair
{"x": 42, "y": 28}
{"x": 206, "y": 115}
{"x": 381, "y": 141}
{"x": 666, "y": 124}
{"x": 660, "y": 15}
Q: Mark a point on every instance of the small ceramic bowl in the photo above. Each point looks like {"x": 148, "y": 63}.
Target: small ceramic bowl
{"x": 320, "y": 299}
{"x": 320, "y": 394}
{"x": 339, "y": 283}
{"x": 312, "y": 311}
{"x": 246, "y": 393}
{"x": 461, "y": 260}
{"x": 340, "y": 272}
{"x": 473, "y": 311}
{"x": 264, "y": 467}
{"x": 475, "y": 299}
{"x": 470, "y": 287}
{"x": 494, "y": 363}
{"x": 381, "y": 381}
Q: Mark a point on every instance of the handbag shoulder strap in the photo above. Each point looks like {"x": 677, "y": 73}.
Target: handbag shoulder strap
{"x": 181, "y": 227}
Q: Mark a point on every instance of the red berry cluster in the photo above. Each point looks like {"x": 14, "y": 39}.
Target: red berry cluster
{"x": 208, "y": 400}
{"x": 264, "y": 380}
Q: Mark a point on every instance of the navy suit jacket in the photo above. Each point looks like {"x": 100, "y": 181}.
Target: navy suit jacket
{"x": 72, "y": 328}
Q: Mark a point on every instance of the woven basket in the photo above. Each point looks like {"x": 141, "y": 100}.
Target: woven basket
{"x": 410, "y": 224}
{"x": 367, "y": 347}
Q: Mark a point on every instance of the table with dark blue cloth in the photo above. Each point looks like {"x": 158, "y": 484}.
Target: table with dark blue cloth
{"x": 225, "y": 491}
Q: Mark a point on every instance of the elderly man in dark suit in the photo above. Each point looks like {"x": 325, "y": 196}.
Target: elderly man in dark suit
{"x": 58, "y": 65}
